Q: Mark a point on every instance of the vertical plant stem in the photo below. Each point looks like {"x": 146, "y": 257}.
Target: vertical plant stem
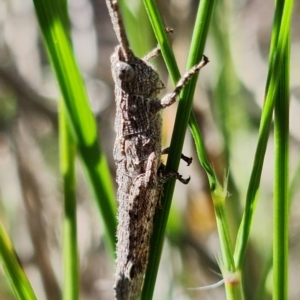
{"x": 280, "y": 40}
{"x": 232, "y": 276}
{"x": 201, "y": 152}
{"x": 182, "y": 117}
{"x": 13, "y": 269}
{"x": 281, "y": 192}
{"x": 67, "y": 162}
{"x": 52, "y": 19}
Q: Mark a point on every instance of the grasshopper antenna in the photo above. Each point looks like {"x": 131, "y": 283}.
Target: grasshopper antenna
{"x": 114, "y": 12}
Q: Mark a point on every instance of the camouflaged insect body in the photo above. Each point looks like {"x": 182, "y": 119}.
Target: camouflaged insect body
{"x": 137, "y": 153}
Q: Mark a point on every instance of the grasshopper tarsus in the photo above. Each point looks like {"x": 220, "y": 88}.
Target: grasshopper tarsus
{"x": 183, "y": 180}
{"x": 187, "y": 159}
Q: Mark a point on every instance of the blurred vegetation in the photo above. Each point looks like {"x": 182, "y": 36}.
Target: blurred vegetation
{"x": 227, "y": 106}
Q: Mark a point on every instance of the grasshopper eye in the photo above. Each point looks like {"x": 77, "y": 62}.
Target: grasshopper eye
{"x": 124, "y": 71}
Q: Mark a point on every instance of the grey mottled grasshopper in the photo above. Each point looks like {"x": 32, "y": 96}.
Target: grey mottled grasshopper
{"x": 137, "y": 153}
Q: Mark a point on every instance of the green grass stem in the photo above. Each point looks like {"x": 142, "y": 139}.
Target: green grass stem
{"x": 279, "y": 44}
{"x": 70, "y": 254}
{"x": 13, "y": 269}
{"x": 201, "y": 152}
{"x": 182, "y": 117}
{"x": 51, "y": 16}
{"x": 219, "y": 194}
{"x": 281, "y": 186}
{"x": 229, "y": 112}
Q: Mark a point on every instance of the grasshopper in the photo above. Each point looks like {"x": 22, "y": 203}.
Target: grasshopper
{"x": 137, "y": 153}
